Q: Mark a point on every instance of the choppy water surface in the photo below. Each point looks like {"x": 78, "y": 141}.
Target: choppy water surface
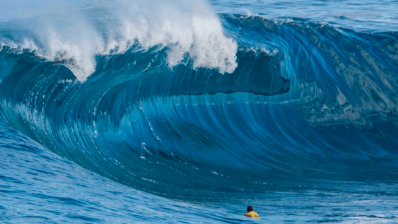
{"x": 188, "y": 111}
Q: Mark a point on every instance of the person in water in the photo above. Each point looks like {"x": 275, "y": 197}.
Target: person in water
{"x": 251, "y": 213}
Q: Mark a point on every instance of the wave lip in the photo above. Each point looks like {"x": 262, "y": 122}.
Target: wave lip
{"x": 75, "y": 38}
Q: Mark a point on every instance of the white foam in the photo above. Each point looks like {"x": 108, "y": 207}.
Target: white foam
{"x": 185, "y": 27}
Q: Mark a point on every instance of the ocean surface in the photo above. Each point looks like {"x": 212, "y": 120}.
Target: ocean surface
{"x": 188, "y": 111}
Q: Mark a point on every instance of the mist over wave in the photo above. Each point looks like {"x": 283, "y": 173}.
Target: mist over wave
{"x": 65, "y": 34}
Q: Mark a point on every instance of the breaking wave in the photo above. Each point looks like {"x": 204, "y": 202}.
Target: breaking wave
{"x": 199, "y": 103}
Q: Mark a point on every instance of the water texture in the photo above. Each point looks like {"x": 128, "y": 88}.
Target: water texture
{"x": 188, "y": 111}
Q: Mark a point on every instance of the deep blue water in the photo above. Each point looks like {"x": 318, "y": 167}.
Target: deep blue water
{"x": 188, "y": 111}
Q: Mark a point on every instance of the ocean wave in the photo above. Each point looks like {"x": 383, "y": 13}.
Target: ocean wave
{"x": 296, "y": 93}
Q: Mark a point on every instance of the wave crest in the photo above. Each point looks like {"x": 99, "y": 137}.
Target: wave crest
{"x": 75, "y": 38}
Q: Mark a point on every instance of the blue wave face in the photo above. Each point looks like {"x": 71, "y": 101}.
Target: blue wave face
{"x": 306, "y": 101}
{"x": 361, "y": 15}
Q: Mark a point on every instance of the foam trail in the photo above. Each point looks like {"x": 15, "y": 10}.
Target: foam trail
{"x": 185, "y": 28}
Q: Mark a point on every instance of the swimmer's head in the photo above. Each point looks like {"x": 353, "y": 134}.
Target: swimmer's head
{"x": 250, "y": 208}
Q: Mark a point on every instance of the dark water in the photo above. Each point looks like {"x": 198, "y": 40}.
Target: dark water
{"x": 122, "y": 112}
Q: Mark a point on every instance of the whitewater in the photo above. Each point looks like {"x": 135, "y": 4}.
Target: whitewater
{"x": 181, "y": 111}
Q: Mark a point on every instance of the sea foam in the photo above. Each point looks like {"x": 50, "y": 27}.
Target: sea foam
{"x": 74, "y": 36}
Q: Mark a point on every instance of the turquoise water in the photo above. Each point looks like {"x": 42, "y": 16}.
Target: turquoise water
{"x": 189, "y": 111}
